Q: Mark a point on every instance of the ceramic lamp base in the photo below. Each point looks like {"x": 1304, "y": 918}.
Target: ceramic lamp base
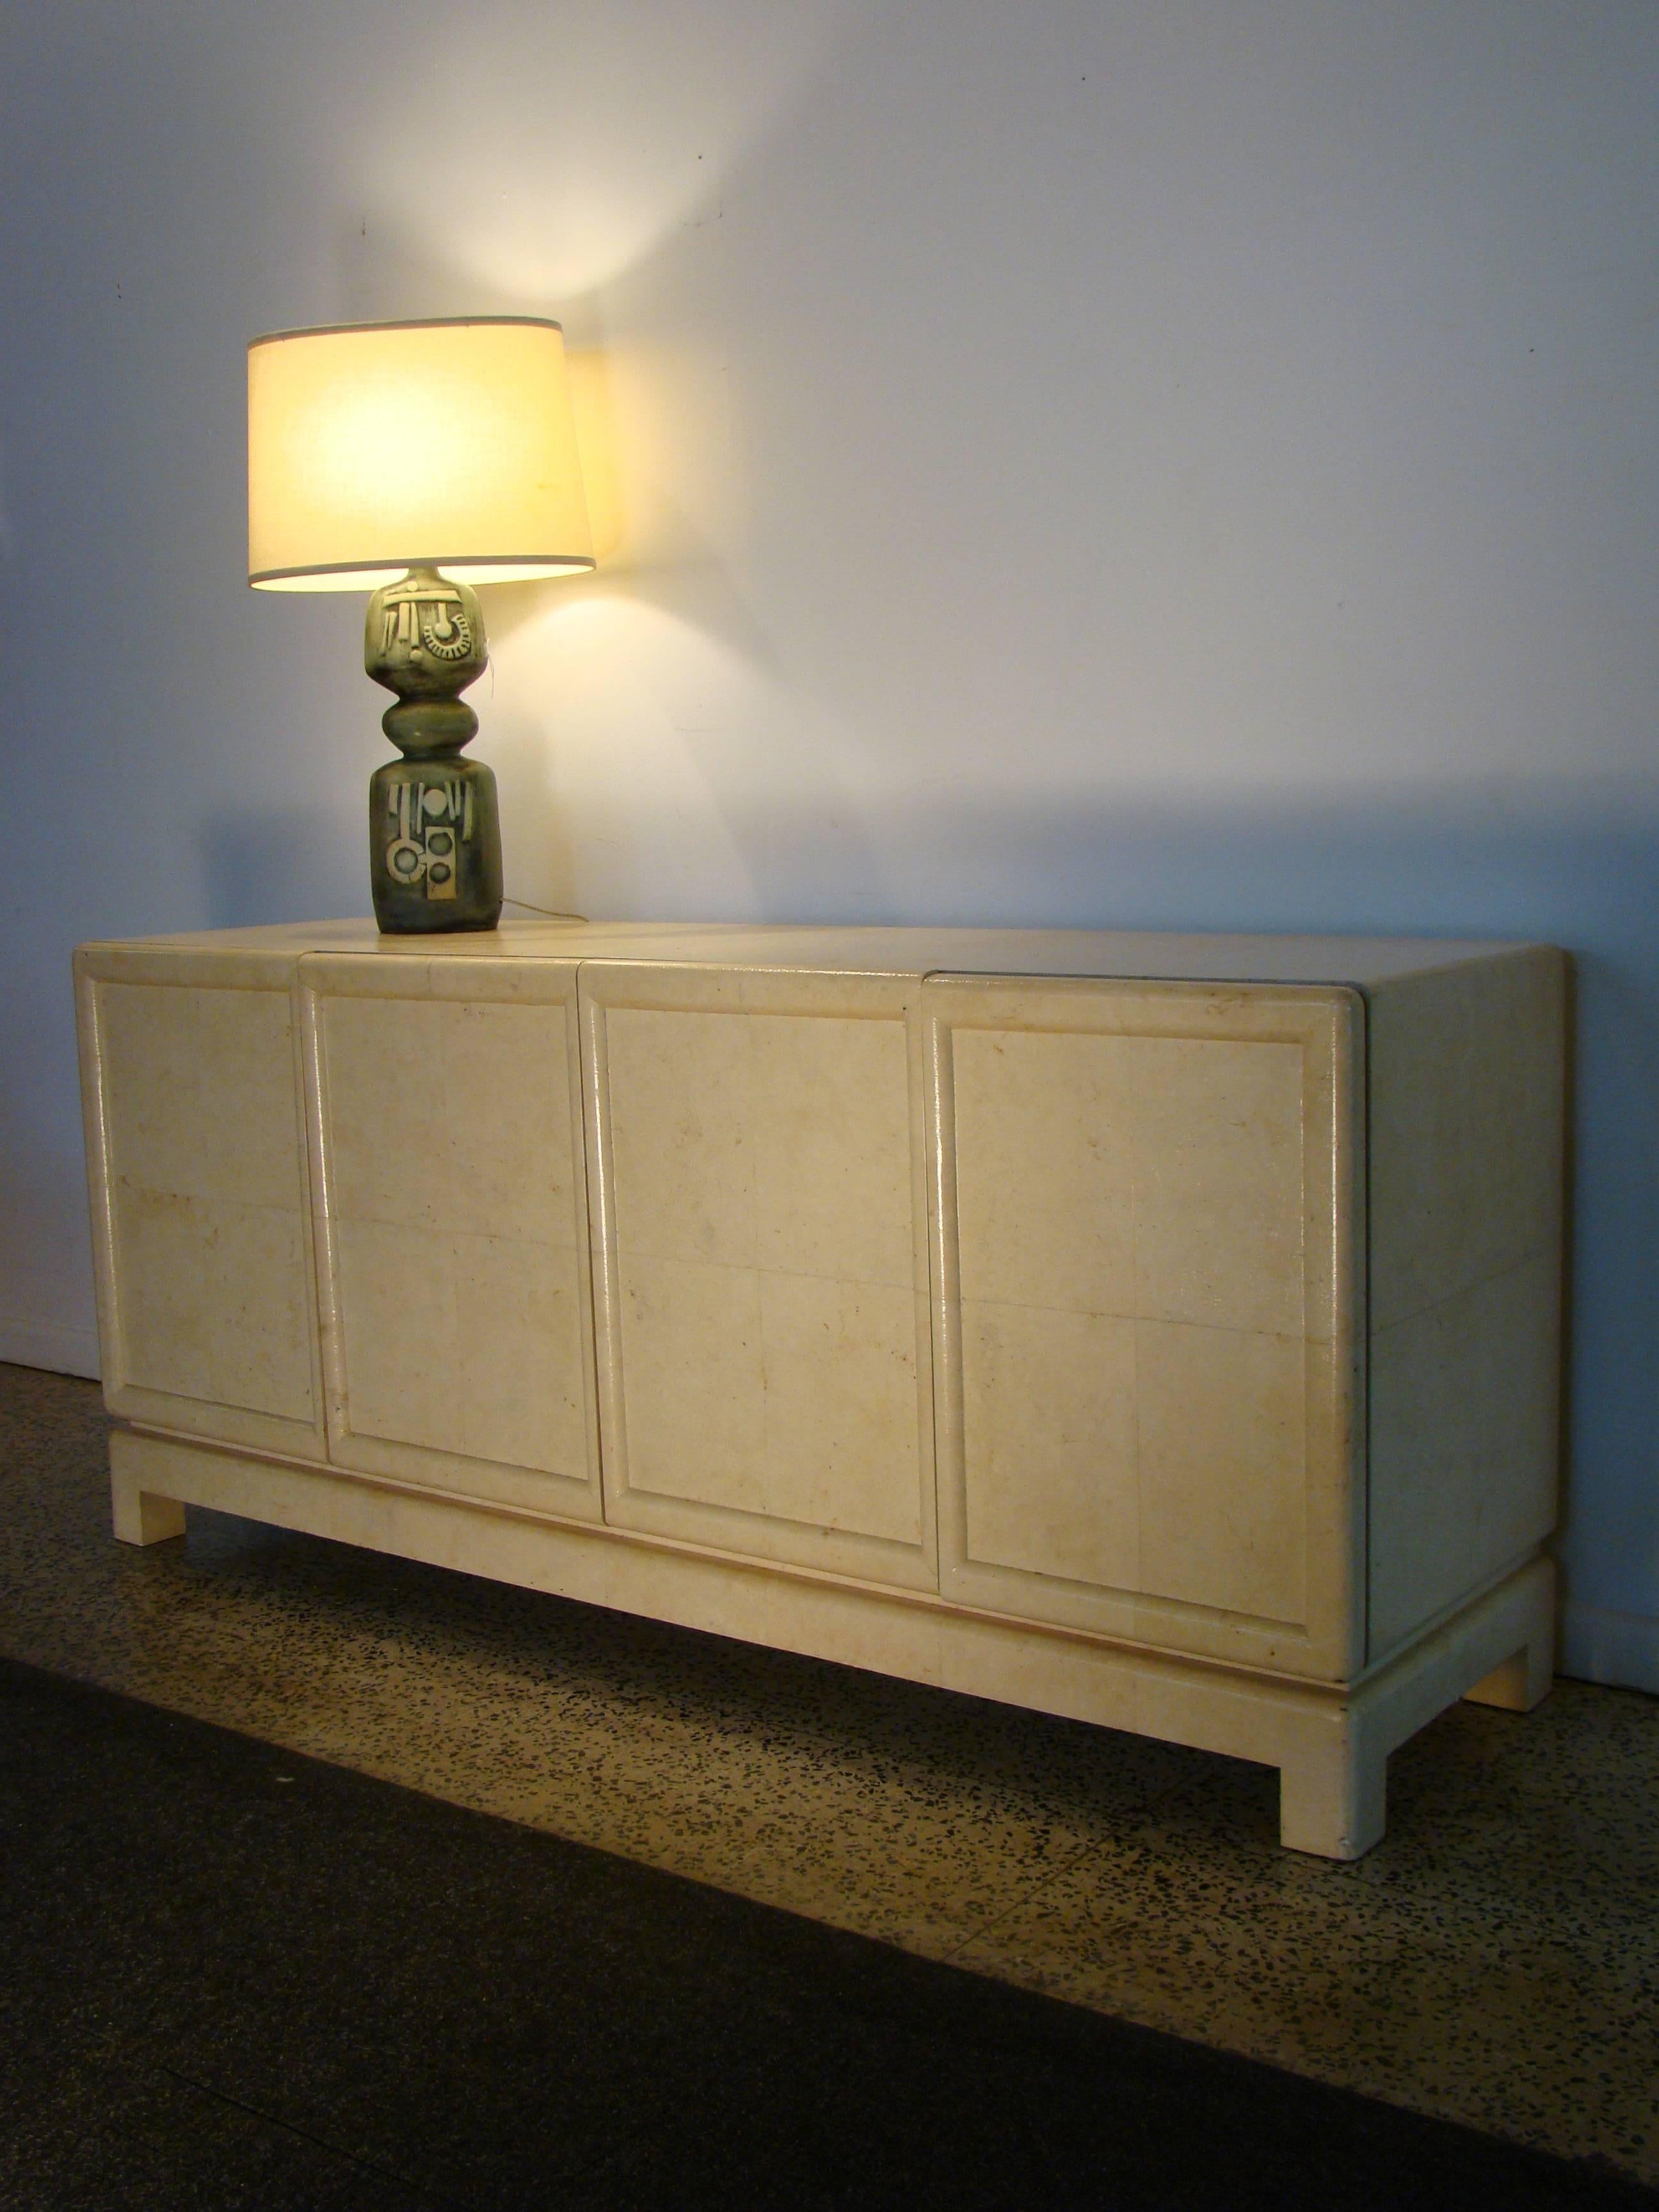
{"x": 435, "y": 846}
{"x": 435, "y": 837}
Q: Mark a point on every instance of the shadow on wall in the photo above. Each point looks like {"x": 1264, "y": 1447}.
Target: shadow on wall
{"x": 289, "y": 864}
{"x": 1572, "y": 867}
{"x": 1578, "y": 872}
{"x": 46, "y": 1317}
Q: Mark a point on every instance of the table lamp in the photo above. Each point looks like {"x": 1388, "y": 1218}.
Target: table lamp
{"x": 415, "y": 460}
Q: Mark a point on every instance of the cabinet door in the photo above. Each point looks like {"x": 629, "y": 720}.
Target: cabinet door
{"x": 757, "y": 1156}
{"x": 1148, "y": 1378}
{"x": 445, "y": 1100}
{"x": 201, "y": 1213}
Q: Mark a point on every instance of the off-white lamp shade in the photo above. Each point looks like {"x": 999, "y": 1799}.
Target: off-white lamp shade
{"x": 385, "y": 446}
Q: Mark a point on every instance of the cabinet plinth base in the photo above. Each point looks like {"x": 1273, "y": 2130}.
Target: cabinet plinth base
{"x": 1523, "y": 1679}
{"x": 139, "y": 1515}
{"x": 1330, "y": 1741}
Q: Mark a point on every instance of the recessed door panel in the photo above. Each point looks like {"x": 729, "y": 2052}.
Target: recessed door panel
{"x": 760, "y": 1258}
{"x": 1145, "y": 1290}
{"x": 446, "y": 1106}
{"x": 207, "y": 1307}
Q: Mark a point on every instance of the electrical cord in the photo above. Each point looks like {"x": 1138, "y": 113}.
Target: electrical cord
{"x": 546, "y": 911}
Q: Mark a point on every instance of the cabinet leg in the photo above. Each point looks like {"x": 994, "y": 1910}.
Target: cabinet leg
{"x": 1332, "y": 1796}
{"x": 141, "y": 1517}
{"x": 1522, "y": 1681}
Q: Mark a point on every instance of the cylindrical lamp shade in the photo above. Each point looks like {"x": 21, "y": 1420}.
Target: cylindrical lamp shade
{"x": 383, "y": 446}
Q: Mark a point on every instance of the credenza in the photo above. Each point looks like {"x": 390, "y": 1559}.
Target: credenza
{"x": 1160, "y": 1331}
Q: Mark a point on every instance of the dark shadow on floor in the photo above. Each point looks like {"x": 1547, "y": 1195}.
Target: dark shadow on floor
{"x": 236, "y": 1977}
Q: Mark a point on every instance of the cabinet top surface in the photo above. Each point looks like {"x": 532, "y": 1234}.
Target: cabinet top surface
{"x": 1154, "y": 956}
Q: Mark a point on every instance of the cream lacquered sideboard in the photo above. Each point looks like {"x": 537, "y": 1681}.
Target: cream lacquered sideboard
{"x": 1161, "y": 1331}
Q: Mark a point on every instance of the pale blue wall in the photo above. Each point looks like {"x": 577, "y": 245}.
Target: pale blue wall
{"x": 1185, "y": 462}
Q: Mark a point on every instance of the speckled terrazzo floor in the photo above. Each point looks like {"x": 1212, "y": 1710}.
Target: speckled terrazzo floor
{"x": 1495, "y": 1960}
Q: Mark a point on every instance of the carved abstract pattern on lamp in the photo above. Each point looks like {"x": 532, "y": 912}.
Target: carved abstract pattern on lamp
{"x": 426, "y": 824}
{"x": 437, "y": 617}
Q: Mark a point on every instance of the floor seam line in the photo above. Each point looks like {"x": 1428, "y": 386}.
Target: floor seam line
{"x": 1042, "y": 1881}
{"x": 304, "y": 2135}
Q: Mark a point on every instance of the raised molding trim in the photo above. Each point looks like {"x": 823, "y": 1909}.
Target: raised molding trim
{"x": 1620, "y": 1650}
{"x": 49, "y": 1344}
